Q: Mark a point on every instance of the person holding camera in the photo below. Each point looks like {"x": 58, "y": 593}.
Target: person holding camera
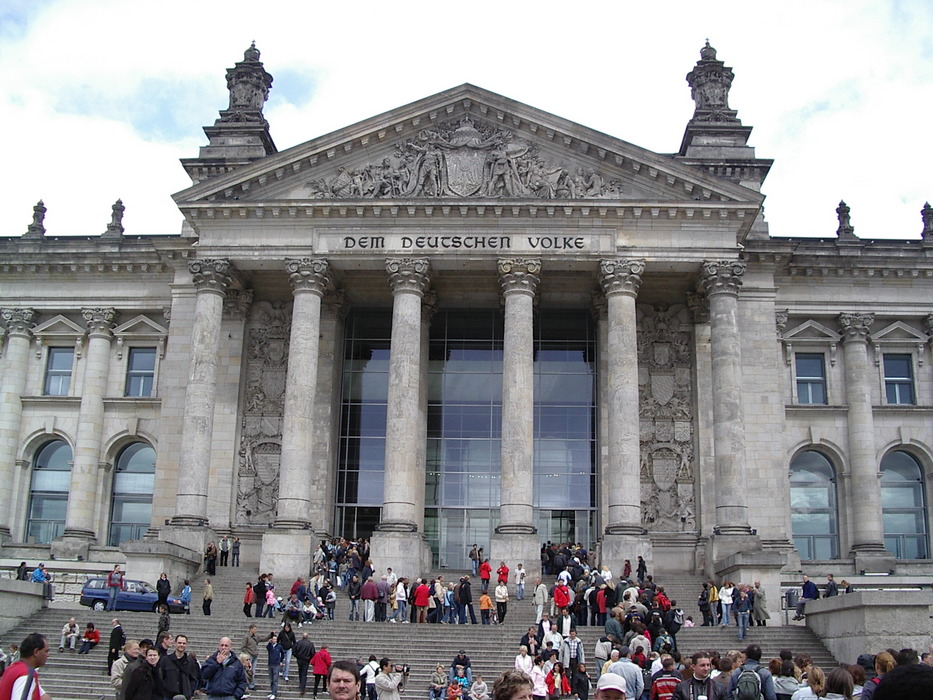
{"x": 391, "y": 680}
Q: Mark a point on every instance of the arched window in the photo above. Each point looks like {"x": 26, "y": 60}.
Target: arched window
{"x": 133, "y": 482}
{"x": 813, "y": 506}
{"x": 48, "y": 493}
{"x": 903, "y": 506}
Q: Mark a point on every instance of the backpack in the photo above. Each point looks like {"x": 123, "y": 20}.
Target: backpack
{"x": 748, "y": 685}
{"x": 679, "y": 616}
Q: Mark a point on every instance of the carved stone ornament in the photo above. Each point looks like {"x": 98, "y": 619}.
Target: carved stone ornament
{"x": 621, "y": 276}
{"x": 666, "y": 416}
{"x": 723, "y": 276}
{"x": 37, "y": 228}
{"x": 237, "y": 303}
{"x": 466, "y": 159}
{"x": 309, "y": 275}
{"x": 710, "y": 81}
{"x": 99, "y": 321}
{"x": 115, "y": 227}
{"x": 698, "y": 303}
{"x": 519, "y": 275}
{"x": 408, "y": 274}
{"x": 211, "y": 275}
{"x": 268, "y": 332}
{"x": 18, "y": 321}
{"x": 926, "y": 215}
{"x": 249, "y": 85}
{"x": 855, "y": 326}
{"x": 780, "y": 321}
{"x": 845, "y": 229}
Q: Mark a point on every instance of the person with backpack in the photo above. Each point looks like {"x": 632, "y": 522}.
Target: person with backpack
{"x": 751, "y": 681}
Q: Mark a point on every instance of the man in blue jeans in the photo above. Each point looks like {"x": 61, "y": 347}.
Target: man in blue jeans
{"x": 115, "y": 584}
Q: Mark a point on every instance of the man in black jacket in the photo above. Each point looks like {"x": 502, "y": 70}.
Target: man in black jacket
{"x": 701, "y": 683}
{"x": 180, "y": 671}
{"x": 466, "y": 600}
{"x": 117, "y": 640}
{"x": 303, "y": 651}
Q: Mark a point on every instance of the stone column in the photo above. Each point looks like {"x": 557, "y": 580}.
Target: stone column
{"x": 18, "y": 323}
{"x": 211, "y": 279}
{"x": 515, "y": 538}
{"x": 82, "y": 501}
{"x": 864, "y": 487}
{"x": 624, "y": 536}
{"x": 397, "y": 540}
{"x": 721, "y": 280}
{"x": 289, "y": 552}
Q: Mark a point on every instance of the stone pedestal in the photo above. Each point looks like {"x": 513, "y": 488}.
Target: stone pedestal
{"x": 748, "y": 567}
{"x": 867, "y": 622}
{"x": 287, "y": 553}
{"x": 189, "y": 537}
{"x": 403, "y": 551}
{"x": 720, "y": 547}
{"x": 871, "y": 562}
{"x": 515, "y": 550}
{"x": 615, "y": 549}
{"x": 147, "y": 559}
{"x": 71, "y": 548}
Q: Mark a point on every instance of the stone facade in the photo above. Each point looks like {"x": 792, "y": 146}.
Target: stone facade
{"x": 703, "y": 326}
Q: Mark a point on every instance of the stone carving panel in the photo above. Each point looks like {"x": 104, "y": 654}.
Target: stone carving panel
{"x": 666, "y": 409}
{"x": 466, "y": 159}
{"x": 260, "y": 448}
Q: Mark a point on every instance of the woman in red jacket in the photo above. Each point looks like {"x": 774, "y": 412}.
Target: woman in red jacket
{"x": 557, "y": 682}
{"x": 320, "y": 664}
{"x": 91, "y": 639}
{"x": 485, "y": 572}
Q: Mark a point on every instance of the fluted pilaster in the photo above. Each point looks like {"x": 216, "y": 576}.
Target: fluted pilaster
{"x": 18, "y": 323}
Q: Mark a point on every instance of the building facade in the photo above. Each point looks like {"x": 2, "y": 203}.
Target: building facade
{"x": 470, "y": 321}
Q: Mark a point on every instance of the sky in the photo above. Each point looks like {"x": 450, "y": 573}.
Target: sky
{"x": 101, "y": 98}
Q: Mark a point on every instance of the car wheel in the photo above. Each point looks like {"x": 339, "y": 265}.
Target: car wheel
{"x": 99, "y": 605}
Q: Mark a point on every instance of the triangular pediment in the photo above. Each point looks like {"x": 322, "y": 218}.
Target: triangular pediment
{"x": 140, "y": 327}
{"x": 812, "y": 331}
{"x": 58, "y": 326}
{"x": 899, "y": 332}
{"x": 466, "y": 143}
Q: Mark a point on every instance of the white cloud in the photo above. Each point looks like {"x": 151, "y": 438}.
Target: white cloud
{"x": 102, "y": 97}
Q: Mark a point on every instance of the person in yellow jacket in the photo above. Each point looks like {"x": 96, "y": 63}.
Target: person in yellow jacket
{"x": 714, "y": 602}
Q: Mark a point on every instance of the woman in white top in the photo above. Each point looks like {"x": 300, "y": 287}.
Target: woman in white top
{"x": 538, "y": 679}
{"x": 725, "y": 599}
{"x": 606, "y": 574}
{"x": 523, "y": 662}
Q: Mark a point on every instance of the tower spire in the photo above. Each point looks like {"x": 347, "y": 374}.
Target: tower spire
{"x": 241, "y": 134}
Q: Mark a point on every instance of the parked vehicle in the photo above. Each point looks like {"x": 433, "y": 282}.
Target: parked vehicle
{"x": 139, "y": 596}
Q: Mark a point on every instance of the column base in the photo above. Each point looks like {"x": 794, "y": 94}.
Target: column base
{"x": 404, "y": 552}
{"x": 182, "y": 520}
{"x": 874, "y": 560}
{"x": 287, "y": 553}
{"x": 515, "y": 549}
{"x": 73, "y": 545}
{"x": 397, "y": 526}
{"x": 615, "y": 548}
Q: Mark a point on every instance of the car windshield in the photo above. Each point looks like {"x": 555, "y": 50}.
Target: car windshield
{"x": 143, "y": 587}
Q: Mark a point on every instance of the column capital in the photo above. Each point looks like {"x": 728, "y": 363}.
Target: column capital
{"x": 855, "y": 326}
{"x": 18, "y": 321}
{"x": 237, "y": 303}
{"x": 211, "y": 275}
{"x": 99, "y": 321}
{"x": 519, "y": 275}
{"x": 723, "y": 276}
{"x": 309, "y": 275}
{"x": 409, "y": 274}
{"x": 620, "y": 276}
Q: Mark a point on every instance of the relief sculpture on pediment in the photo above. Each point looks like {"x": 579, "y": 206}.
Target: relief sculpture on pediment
{"x": 666, "y": 409}
{"x": 466, "y": 159}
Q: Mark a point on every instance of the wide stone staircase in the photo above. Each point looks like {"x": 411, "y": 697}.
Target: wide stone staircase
{"x": 69, "y": 676}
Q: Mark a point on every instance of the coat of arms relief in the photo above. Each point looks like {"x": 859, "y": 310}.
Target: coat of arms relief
{"x": 466, "y": 159}
{"x": 665, "y": 369}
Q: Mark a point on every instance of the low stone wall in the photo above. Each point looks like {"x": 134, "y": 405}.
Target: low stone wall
{"x": 866, "y": 622}
{"x": 18, "y": 599}
{"x": 68, "y": 578}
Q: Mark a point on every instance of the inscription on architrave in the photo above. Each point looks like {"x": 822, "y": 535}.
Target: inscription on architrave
{"x": 666, "y": 402}
{"x": 261, "y": 434}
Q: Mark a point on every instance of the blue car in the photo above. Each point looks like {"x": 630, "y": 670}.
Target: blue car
{"x": 139, "y": 596}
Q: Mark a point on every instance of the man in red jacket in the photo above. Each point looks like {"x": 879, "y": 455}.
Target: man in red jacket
{"x": 21, "y": 680}
{"x": 561, "y": 595}
{"x": 485, "y": 573}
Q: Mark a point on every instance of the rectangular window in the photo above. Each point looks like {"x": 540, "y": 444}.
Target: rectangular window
{"x": 811, "y": 378}
{"x": 58, "y": 371}
{"x": 140, "y": 372}
{"x": 898, "y": 380}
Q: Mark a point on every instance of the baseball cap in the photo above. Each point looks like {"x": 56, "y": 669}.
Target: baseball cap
{"x": 611, "y": 681}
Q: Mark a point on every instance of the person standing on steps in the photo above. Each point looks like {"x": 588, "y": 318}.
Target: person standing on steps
{"x": 520, "y": 582}
{"x": 185, "y": 597}
{"x": 180, "y": 672}
{"x": 207, "y": 597}
{"x": 485, "y": 573}
{"x": 163, "y": 588}
{"x": 303, "y": 651}
{"x": 250, "y": 647}
{"x": 390, "y": 681}
{"x": 641, "y": 571}
{"x": 235, "y": 551}
{"x": 474, "y": 560}
{"x": 115, "y": 583}
{"x": 320, "y": 664}
{"x": 117, "y": 640}
{"x": 274, "y": 663}
{"x": 539, "y": 599}
{"x": 224, "y": 551}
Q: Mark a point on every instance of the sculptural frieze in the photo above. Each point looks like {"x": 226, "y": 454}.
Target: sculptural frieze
{"x": 466, "y": 159}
